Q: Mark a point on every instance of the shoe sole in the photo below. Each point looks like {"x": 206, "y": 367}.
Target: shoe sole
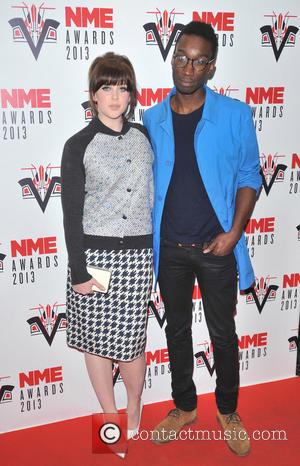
{"x": 162, "y": 442}
{"x": 230, "y": 448}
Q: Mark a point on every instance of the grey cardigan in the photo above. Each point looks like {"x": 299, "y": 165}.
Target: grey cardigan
{"x": 107, "y": 191}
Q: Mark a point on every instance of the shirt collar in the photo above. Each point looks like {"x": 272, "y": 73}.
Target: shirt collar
{"x": 209, "y": 104}
{"x": 98, "y": 126}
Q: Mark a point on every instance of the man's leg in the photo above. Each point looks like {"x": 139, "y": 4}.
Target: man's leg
{"x": 217, "y": 278}
{"x": 176, "y": 281}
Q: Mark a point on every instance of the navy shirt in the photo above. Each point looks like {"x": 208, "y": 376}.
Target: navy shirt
{"x": 188, "y": 215}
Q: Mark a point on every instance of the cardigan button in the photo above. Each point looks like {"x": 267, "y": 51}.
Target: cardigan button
{"x": 124, "y": 217}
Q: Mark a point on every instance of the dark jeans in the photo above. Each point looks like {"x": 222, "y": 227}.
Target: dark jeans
{"x": 217, "y": 278}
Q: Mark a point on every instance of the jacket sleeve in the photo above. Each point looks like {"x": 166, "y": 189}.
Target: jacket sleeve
{"x": 72, "y": 197}
{"x": 249, "y": 167}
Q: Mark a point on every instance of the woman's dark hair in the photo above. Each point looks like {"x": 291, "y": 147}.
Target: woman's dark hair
{"x": 112, "y": 69}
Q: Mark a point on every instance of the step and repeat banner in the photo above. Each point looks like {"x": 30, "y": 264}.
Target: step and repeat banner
{"x": 46, "y": 49}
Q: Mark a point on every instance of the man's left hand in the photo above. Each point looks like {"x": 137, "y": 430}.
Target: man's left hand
{"x": 223, "y": 244}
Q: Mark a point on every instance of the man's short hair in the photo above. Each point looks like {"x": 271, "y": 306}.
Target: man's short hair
{"x": 200, "y": 29}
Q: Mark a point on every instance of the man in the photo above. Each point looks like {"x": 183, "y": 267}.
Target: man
{"x": 206, "y": 175}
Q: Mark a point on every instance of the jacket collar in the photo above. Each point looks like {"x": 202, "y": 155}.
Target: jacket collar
{"x": 98, "y": 126}
{"x": 209, "y": 111}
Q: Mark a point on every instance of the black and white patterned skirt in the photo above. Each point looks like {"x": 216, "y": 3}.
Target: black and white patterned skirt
{"x": 112, "y": 325}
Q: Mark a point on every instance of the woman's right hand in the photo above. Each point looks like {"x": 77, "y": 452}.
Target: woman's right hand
{"x": 86, "y": 287}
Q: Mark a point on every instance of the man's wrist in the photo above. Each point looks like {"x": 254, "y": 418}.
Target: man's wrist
{"x": 235, "y": 233}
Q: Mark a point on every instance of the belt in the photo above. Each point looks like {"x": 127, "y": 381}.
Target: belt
{"x": 185, "y": 245}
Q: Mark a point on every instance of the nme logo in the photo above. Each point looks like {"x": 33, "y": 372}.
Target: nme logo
{"x": 278, "y": 35}
{"x": 34, "y": 28}
{"x": 263, "y": 225}
{"x": 256, "y": 340}
{"x": 293, "y": 342}
{"x": 42, "y": 185}
{"x": 26, "y": 247}
{"x": 159, "y": 356}
{"x": 196, "y": 292}
{"x": 82, "y": 17}
{"x": 30, "y": 256}
{"x": 290, "y": 291}
{"x": 261, "y": 95}
{"x": 260, "y": 232}
{"x": 295, "y": 161}
{"x": 266, "y": 103}
{"x": 88, "y": 114}
{"x": 24, "y": 108}
{"x": 20, "y": 98}
{"x": 204, "y": 357}
{"x": 221, "y": 21}
{"x": 294, "y": 185}
{"x": 147, "y": 96}
{"x": 290, "y": 281}
{"x": 87, "y": 30}
{"x": 116, "y": 373}
{"x": 48, "y": 322}
{"x": 6, "y": 392}
{"x": 262, "y": 292}
{"x": 271, "y": 170}
{"x": 225, "y": 90}
{"x": 164, "y": 32}
{"x": 36, "y": 377}
{"x": 156, "y": 308}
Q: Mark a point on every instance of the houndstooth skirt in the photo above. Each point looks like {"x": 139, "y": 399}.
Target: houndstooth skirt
{"x": 112, "y": 325}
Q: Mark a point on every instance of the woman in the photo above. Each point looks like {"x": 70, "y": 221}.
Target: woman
{"x": 107, "y": 196}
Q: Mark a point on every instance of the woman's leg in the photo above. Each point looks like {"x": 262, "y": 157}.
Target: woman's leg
{"x": 133, "y": 375}
{"x": 101, "y": 377}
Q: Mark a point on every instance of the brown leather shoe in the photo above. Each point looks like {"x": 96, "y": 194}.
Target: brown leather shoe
{"x": 235, "y": 434}
{"x": 171, "y": 425}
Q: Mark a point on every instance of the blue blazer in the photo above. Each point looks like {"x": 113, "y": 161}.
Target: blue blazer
{"x": 227, "y": 156}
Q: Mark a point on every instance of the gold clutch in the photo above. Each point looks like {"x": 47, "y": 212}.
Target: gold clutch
{"x": 102, "y": 276}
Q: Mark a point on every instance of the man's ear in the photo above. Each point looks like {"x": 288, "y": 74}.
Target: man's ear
{"x": 211, "y": 71}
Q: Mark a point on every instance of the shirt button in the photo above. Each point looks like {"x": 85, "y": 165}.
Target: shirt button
{"x": 120, "y": 137}
{"x": 124, "y": 217}
{"x": 168, "y": 163}
{"x": 128, "y": 190}
{"x": 128, "y": 160}
{"x": 121, "y": 241}
{"x": 159, "y": 198}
